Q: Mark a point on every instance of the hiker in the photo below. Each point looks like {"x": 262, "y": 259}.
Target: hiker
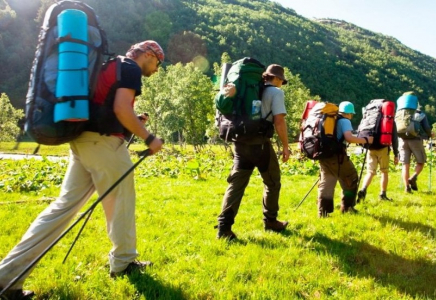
{"x": 339, "y": 167}
{"x": 258, "y": 152}
{"x": 96, "y": 162}
{"x": 378, "y": 155}
{"x": 415, "y": 146}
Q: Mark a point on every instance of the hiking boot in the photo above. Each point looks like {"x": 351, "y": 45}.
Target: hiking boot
{"x": 383, "y": 196}
{"x": 19, "y": 294}
{"x": 226, "y": 234}
{"x": 134, "y": 266}
{"x": 323, "y": 214}
{"x": 361, "y": 195}
{"x": 349, "y": 209}
{"x": 412, "y": 182}
{"x": 408, "y": 190}
{"x": 275, "y": 225}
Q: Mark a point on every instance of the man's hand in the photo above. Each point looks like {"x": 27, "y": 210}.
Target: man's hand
{"x": 285, "y": 155}
{"x": 143, "y": 118}
{"x": 155, "y": 145}
{"x": 229, "y": 90}
{"x": 396, "y": 160}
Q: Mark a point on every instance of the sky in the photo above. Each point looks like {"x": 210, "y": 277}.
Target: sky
{"x": 412, "y": 22}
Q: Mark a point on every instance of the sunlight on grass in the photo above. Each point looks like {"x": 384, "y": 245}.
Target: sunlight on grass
{"x": 386, "y": 251}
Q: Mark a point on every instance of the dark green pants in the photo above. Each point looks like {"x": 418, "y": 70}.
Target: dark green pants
{"x": 247, "y": 157}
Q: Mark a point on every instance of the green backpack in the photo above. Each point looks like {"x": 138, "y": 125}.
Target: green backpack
{"x": 239, "y": 117}
{"x": 408, "y": 123}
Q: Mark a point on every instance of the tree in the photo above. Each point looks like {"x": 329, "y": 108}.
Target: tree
{"x": 179, "y": 101}
{"x": 296, "y": 95}
{"x": 9, "y": 117}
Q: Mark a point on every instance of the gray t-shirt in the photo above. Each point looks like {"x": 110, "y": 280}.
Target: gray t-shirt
{"x": 273, "y": 99}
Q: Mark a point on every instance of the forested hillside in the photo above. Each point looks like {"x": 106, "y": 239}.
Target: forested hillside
{"x": 334, "y": 59}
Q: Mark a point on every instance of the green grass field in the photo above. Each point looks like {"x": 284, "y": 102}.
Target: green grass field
{"x": 386, "y": 251}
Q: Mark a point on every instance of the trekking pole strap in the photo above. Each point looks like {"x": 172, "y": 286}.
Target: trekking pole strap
{"x": 361, "y": 170}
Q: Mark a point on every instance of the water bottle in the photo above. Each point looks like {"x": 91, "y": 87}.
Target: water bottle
{"x": 255, "y": 109}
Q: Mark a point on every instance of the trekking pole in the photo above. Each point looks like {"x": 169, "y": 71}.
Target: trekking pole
{"x": 132, "y": 137}
{"x": 431, "y": 162}
{"x": 361, "y": 171}
{"x": 307, "y": 194}
{"x": 144, "y": 154}
{"x": 130, "y": 140}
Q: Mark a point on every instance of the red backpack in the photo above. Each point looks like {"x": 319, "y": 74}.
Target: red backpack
{"x": 378, "y": 121}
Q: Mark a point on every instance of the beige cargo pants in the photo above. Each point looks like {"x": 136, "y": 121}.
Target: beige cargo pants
{"x": 96, "y": 162}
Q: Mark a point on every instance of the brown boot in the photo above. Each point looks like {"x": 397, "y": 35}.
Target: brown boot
{"x": 227, "y": 234}
{"x": 323, "y": 213}
{"x": 349, "y": 209}
{"x": 413, "y": 184}
{"x": 275, "y": 225}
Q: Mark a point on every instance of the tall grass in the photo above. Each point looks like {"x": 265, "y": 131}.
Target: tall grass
{"x": 386, "y": 251}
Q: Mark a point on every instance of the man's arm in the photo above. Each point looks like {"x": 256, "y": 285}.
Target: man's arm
{"x": 426, "y": 126}
{"x": 126, "y": 115}
{"x": 282, "y": 132}
{"x": 350, "y": 138}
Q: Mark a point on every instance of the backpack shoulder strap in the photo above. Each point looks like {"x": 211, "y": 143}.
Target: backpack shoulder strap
{"x": 339, "y": 117}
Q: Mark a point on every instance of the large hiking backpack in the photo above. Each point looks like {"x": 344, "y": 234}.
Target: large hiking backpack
{"x": 378, "y": 122}
{"x": 407, "y": 118}
{"x": 318, "y": 139}
{"x": 45, "y": 87}
{"x": 408, "y": 123}
{"x": 240, "y": 116}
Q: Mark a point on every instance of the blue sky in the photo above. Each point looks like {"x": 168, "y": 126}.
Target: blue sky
{"x": 412, "y": 22}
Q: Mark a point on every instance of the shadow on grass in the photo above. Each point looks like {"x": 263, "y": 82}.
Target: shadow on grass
{"x": 265, "y": 241}
{"x": 413, "y": 277}
{"x": 151, "y": 288}
{"x": 408, "y": 226}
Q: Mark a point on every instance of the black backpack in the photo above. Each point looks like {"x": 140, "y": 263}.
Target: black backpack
{"x": 41, "y": 99}
{"x": 239, "y": 118}
{"x": 378, "y": 122}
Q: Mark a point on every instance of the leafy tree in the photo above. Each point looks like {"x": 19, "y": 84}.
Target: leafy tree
{"x": 178, "y": 101}
{"x": 296, "y": 95}
{"x": 334, "y": 59}
{"x": 9, "y": 117}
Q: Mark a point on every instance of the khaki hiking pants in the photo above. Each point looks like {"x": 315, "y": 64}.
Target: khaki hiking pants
{"x": 96, "y": 162}
{"x": 333, "y": 171}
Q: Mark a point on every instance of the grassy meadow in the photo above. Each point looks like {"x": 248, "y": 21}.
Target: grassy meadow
{"x": 386, "y": 251}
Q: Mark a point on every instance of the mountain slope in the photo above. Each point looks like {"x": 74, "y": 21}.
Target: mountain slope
{"x": 335, "y": 59}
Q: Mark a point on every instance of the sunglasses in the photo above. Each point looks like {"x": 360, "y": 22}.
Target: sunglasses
{"x": 159, "y": 62}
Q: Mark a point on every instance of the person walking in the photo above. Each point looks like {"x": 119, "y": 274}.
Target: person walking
{"x": 415, "y": 146}
{"x": 339, "y": 167}
{"x": 378, "y": 156}
{"x": 258, "y": 152}
{"x": 96, "y": 161}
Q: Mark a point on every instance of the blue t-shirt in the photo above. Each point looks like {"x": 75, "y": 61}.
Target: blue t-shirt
{"x": 343, "y": 125}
